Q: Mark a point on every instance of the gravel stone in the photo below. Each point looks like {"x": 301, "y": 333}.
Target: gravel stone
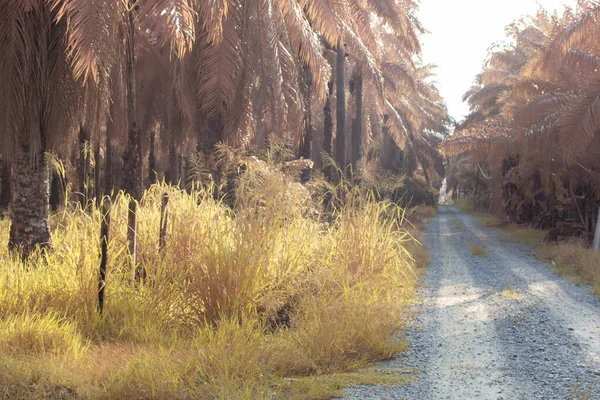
{"x": 504, "y": 326}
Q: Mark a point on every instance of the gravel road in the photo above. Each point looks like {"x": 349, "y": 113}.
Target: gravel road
{"x": 502, "y": 326}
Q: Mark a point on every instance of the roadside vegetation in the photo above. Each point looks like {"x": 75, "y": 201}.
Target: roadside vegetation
{"x": 262, "y": 300}
{"x": 210, "y": 199}
{"x": 571, "y": 258}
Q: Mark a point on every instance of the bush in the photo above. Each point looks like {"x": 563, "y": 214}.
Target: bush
{"x": 238, "y": 298}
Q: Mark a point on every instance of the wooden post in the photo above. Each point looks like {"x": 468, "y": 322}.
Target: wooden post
{"x": 164, "y": 222}
{"x": 97, "y": 190}
{"x": 596, "y": 242}
{"x": 132, "y": 236}
{"x": 104, "y": 231}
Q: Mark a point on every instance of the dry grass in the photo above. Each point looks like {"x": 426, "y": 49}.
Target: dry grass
{"x": 204, "y": 324}
{"x": 574, "y": 260}
{"x": 510, "y": 293}
{"x": 477, "y": 250}
{"x": 421, "y": 214}
{"x": 513, "y": 233}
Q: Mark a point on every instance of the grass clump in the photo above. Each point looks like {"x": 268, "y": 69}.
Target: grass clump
{"x": 254, "y": 301}
{"x": 37, "y": 334}
{"x": 477, "y": 250}
{"x": 510, "y": 293}
{"x": 574, "y": 260}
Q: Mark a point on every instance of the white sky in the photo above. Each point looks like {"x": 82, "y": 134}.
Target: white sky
{"x": 461, "y": 32}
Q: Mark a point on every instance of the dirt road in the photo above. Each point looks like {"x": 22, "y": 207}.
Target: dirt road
{"x": 497, "y": 326}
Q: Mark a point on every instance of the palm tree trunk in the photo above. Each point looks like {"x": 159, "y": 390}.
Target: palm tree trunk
{"x": 306, "y": 146}
{"x": 340, "y": 140}
{"x": 5, "y": 184}
{"x": 328, "y": 130}
{"x": 173, "y": 171}
{"x": 132, "y": 160}
{"x": 426, "y": 175}
{"x": 54, "y": 191}
{"x": 213, "y": 137}
{"x": 29, "y": 208}
{"x": 357, "y": 122}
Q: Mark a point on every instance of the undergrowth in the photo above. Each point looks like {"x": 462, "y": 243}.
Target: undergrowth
{"x": 574, "y": 260}
{"x": 262, "y": 300}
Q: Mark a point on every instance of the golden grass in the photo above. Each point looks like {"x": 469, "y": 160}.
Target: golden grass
{"x": 421, "y": 214}
{"x": 204, "y": 323}
{"x": 574, "y": 260}
{"x": 477, "y": 250}
{"x": 513, "y": 233}
{"x": 512, "y": 294}
{"x": 324, "y": 387}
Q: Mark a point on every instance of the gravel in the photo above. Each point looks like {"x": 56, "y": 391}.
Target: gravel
{"x": 502, "y": 326}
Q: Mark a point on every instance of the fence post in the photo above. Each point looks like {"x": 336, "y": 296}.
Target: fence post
{"x": 164, "y": 222}
{"x": 132, "y": 239}
{"x": 104, "y": 237}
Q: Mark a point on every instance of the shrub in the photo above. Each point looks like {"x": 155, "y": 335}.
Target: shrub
{"x": 238, "y": 298}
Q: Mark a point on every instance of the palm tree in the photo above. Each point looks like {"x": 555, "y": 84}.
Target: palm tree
{"x": 39, "y": 104}
{"x": 340, "y": 84}
{"x": 59, "y": 56}
{"x": 532, "y": 95}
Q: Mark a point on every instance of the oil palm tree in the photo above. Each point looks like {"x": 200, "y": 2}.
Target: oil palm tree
{"x": 59, "y": 56}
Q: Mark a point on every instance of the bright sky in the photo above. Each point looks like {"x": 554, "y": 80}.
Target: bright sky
{"x": 461, "y": 32}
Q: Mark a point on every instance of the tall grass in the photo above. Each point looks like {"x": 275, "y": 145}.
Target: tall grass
{"x": 239, "y": 299}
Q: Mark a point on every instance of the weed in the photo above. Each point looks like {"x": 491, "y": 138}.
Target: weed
{"x": 477, "y": 250}
{"x": 574, "y": 260}
{"x": 582, "y": 391}
{"x": 510, "y": 293}
{"x": 202, "y": 324}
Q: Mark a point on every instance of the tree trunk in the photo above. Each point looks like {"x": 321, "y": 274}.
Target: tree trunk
{"x": 328, "y": 130}
{"x": 5, "y": 185}
{"x": 215, "y": 132}
{"x": 152, "y": 159}
{"x": 357, "y": 122}
{"x": 173, "y": 171}
{"x": 426, "y": 176}
{"x": 54, "y": 191}
{"x": 132, "y": 160}
{"x": 306, "y": 145}
{"x": 29, "y": 207}
{"x": 340, "y": 139}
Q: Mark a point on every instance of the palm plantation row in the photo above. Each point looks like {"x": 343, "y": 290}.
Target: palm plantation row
{"x": 534, "y": 122}
{"x": 142, "y": 85}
